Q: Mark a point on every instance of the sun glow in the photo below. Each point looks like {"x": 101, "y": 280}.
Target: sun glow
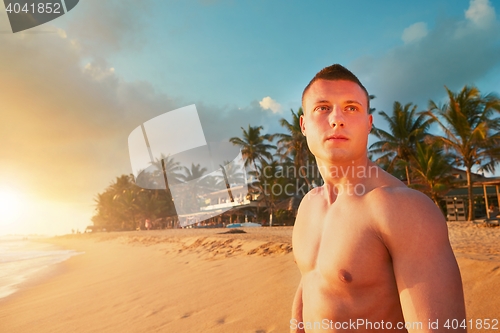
{"x": 10, "y": 206}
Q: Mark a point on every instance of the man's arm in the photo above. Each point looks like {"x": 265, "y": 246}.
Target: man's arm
{"x": 425, "y": 268}
{"x": 297, "y": 311}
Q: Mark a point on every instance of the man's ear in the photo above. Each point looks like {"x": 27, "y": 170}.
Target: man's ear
{"x": 370, "y": 120}
{"x": 302, "y": 125}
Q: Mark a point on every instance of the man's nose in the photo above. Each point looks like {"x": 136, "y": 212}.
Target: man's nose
{"x": 336, "y": 117}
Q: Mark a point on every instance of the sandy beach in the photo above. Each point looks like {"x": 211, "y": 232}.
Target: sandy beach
{"x": 198, "y": 280}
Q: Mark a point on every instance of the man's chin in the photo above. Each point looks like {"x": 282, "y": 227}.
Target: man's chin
{"x": 341, "y": 157}
{"x": 337, "y": 157}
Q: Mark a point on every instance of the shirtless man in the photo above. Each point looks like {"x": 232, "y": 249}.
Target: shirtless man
{"x": 374, "y": 255}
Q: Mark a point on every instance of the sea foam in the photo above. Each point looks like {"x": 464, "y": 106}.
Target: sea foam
{"x": 21, "y": 259}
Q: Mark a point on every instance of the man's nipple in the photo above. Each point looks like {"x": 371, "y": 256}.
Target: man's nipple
{"x": 345, "y": 276}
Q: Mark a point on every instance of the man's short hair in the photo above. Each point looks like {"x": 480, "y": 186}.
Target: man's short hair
{"x": 337, "y": 72}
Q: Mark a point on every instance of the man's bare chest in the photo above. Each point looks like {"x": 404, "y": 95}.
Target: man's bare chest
{"x": 339, "y": 246}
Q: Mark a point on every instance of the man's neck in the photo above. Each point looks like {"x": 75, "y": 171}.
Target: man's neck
{"x": 346, "y": 178}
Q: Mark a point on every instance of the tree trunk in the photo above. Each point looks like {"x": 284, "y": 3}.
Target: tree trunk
{"x": 436, "y": 201}
{"x": 301, "y": 171}
{"x": 260, "y": 185}
{"x": 470, "y": 194}
{"x": 407, "y": 168}
{"x": 309, "y": 186}
{"x": 443, "y": 211}
{"x": 226, "y": 180}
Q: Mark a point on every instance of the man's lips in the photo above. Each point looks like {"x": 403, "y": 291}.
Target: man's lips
{"x": 336, "y": 138}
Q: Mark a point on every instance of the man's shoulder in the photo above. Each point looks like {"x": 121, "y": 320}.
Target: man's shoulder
{"x": 311, "y": 197}
{"x": 394, "y": 199}
{"x": 400, "y": 211}
{"x": 386, "y": 192}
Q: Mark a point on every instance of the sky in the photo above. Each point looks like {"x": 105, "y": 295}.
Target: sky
{"x": 73, "y": 89}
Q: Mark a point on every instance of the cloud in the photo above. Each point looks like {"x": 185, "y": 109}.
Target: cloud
{"x": 98, "y": 71}
{"x": 267, "y": 103}
{"x": 454, "y": 53}
{"x": 66, "y": 120}
{"x": 67, "y": 113}
{"x": 102, "y": 27}
{"x": 415, "y": 32}
{"x": 64, "y": 124}
{"x": 481, "y": 13}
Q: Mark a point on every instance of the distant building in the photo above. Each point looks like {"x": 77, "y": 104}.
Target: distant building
{"x": 486, "y": 191}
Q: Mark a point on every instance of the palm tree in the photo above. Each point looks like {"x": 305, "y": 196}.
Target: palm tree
{"x": 105, "y": 216}
{"x": 150, "y": 204}
{"x": 272, "y": 185}
{"x": 167, "y": 167}
{"x": 432, "y": 168}
{"x": 124, "y": 182}
{"x": 187, "y": 194}
{"x": 253, "y": 146}
{"x": 115, "y": 207}
{"x": 127, "y": 208}
{"x": 231, "y": 173}
{"x": 405, "y": 130}
{"x": 234, "y": 173}
{"x": 123, "y": 205}
{"x": 193, "y": 173}
{"x": 162, "y": 173}
{"x": 294, "y": 145}
{"x": 470, "y": 131}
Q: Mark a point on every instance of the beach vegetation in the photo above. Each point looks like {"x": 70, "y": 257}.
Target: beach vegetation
{"x": 397, "y": 146}
{"x": 254, "y": 146}
{"x": 432, "y": 167}
{"x": 281, "y": 174}
{"x": 292, "y": 147}
{"x": 471, "y": 131}
{"x": 125, "y": 206}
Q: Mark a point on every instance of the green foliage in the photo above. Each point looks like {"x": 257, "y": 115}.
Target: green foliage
{"x": 293, "y": 150}
{"x": 471, "y": 132}
{"x": 253, "y": 146}
{"x": 399, "y": 143}
{"x": 432, "y": 167}
{"x": 125, "y": 206}
{"x": 471, "y": 138}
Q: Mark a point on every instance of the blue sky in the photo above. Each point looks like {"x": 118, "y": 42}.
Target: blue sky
{"x": 228, "y": 55}
{"x": 73, "y": 89}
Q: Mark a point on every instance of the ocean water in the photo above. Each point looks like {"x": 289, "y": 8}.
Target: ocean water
{"x": 21, "y": 259}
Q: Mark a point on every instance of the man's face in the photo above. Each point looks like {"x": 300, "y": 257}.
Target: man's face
{"x": 336, "y": 122}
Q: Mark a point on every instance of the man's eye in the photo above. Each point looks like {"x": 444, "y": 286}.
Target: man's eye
{"x": 351, "y": 108}
{"x": 322, "y": 108}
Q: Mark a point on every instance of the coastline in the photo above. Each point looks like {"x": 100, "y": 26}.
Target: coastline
{"x": 143, "y": 283}
{"x": 199, "y": 280}
{"x": 23, "y": 260}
